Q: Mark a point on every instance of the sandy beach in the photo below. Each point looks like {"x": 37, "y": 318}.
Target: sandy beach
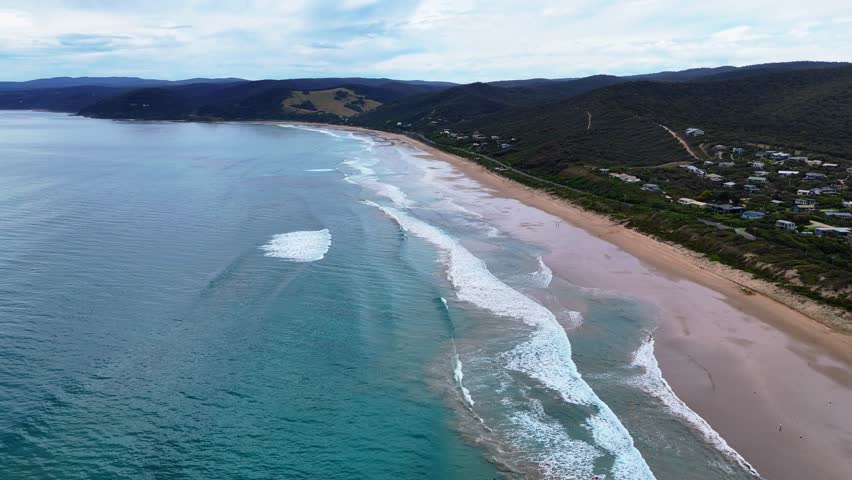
{"x": 775, "y": 383}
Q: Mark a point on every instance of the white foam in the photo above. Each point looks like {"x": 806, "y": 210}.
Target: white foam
{"x": 653, "y": 383}
{"x": 320, "y": 170}
{"x": 570, "y": 319}
{"x": 310, "y": 129}
{"x": 366, "y": 177}
{"x": 458, "y": 373}
{"x": 553, "y": 449}
{"x": 306, "y": 246}
{"x": 543, "y": 276}
{"x": 546, "y": 356}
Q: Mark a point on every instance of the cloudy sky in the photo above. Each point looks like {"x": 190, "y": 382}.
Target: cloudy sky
{"x": 456, "y": 40}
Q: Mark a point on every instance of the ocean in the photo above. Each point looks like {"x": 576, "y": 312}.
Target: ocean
{"x": 205, "y": 301}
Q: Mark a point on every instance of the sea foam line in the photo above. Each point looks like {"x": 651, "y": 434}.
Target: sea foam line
{"x": 543, "y": 276}
{"x": 546, "y": 356}
{"x": 458, "y": 373}
{"x": 310, "y": 129}
{"x": 653, "y": 383}
{"x": 305, "y": 246}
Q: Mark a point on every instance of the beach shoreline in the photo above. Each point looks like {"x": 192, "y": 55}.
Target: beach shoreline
{"x": 727, "y": 355}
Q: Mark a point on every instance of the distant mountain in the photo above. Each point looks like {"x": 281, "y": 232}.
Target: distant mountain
{"x": 325, "y": 99}
{"x": 113, "y": 82}
{"x": 733, "y": 72}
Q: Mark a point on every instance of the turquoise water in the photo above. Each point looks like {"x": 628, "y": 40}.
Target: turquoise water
{"x": 252, "y": 301}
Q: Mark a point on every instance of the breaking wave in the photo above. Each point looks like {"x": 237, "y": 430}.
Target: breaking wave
{"x": 653, "y": 383}
{"x": 545, "y": 357}
{"x": 306, "y": 246}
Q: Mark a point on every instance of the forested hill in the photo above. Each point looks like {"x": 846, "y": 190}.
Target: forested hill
{"x": 619, "y": 124}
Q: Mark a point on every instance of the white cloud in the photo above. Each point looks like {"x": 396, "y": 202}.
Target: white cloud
{"x": 461, "y": 40}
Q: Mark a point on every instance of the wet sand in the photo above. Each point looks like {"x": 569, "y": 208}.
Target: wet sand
{"x": 776, "y": 384}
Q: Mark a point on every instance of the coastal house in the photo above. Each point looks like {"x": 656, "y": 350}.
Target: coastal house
{"x": 838, "y": 214}
{"x": 832, "y": 231}
{"x": 752, "y": 215}
{"x": 694, "y": 132}
{"x": 847, "y": 203}
{"x": 695, "y": 170}
{"x": 804, "y": 208}
{"x": 651, "y": 187}
{"x": 738, "y": 150}
{"x": 709, "y": 162}
{"x": 714, "y": 177}
{"x": 780, "y": 156}
{"x": 813, "y": 163}
{"x": 762, "y": 173}
{"x": 691, "y": 202}
{"x": 726, "y": 164}
{"x": 849, "y": 170}
{"x": 823, "y": 191}
{"x": 755, "y": 179}
{"x": 785, "y": 225}
{"x": 805, "y": 201}
{"x": 814, "y": 176}
{"x": 787, "y": 173}
{"x": 625, "y": 177}
{"x": 751, "y": 188}
{"x": 803, "y": 192}
{"x": 829, "y": 165}
{"x": 504, "y": 146}
{"x": 758, "y": 164}
{"x": 603, "y": 170}
{"x": 726, "y": 208}
{"x": 729, "y": 184}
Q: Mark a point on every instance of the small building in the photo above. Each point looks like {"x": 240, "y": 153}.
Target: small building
{"x": 804, "y": 208}
{"x": 761, "y": 173}
{"x": 751, "y": 188}
{"x": 754, "y": 179}
{"x": 695, "y": 170}
{"x": 758, "y": 164}
{"x": 829, "y": 165}
{"x": 814, "y": 176}
{"x": 838, "y": 214}
{"x": 691, "y": 202}
{"x": 625, "y": 177}
{"x": 694, "y": 132}
{"x": 803, "y": 192}
{"x": 709, "y": 162}
{"x": 738, "y": 150}
{"x": 780, "y": 156}
{"x": 832, "y": 231}
{"x": 714, "y": 178}
{"x": 603, "y": 170}
{"x": 505, "y": 146}
{"x": 751, "y": 215}
{"x": 726, "y": 164}
{"x": 847, "y": 203}
{"x": 785, "y": 225}
{"x": 823, "y": 191}
{"x": 729, "y": 184}
{"x": 849, "y": 170}
{"x": 813, "y": 163}
{"x": 651, "y": 187}
{"x": 787, "y": 173}
{"x": 805, "y": 201}
{"x": 726, "y": 208}
{"x": 798, "y": 159}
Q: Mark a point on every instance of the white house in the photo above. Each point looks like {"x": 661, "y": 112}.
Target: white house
{"x": 757, "y": 179}
{"x": 785, "y": 225}
{"x": 787, "y": 173}
{"x": 729, "y": 184}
